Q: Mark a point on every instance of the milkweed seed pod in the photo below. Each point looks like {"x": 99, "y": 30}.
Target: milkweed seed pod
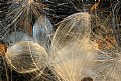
{"x": 75, "y": 49}
{"x": 25, "y": 57}
{"x": 72, "y": 51}
{"x": 22, "y": 14}
{"x": 42, "y": 31}
{"x": 83, "y": 25}
{"x": 72, "y": 28}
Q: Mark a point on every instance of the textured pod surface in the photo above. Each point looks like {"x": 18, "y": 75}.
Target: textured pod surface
{"x": 26, "y": 57}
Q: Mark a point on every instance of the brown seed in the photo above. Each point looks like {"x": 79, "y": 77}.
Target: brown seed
{"x": 87, "y": 79}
